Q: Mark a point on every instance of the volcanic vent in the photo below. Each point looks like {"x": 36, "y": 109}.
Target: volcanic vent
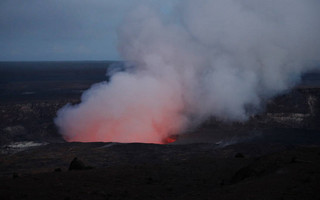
{"x": 196, "y": 60}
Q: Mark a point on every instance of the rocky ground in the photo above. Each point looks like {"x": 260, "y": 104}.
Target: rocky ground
{"x": 274, "y": 155}
{"x": 29, "y": 121}
{"x": 148, "y": 171}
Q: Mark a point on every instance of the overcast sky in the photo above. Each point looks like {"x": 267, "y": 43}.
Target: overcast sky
{"x": 61, "y": 29}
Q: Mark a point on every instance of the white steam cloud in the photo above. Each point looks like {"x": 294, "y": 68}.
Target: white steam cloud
{"x": 219, "y": 58}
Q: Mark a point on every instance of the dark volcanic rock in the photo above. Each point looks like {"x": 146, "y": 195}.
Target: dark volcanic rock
{"x": 195, "y": 171}
{"x": 76, "y": 164}
{"x": 30, "y": 121}
{"x": 239, "y": 155}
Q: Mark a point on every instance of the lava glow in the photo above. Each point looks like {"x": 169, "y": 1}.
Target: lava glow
{"x": 138, "y": 127}
{"x": 170, "y": 139}
{"x": 146, "y": 111}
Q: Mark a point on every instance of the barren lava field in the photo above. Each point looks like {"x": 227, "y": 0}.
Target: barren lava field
{"x": 275, "y": 155}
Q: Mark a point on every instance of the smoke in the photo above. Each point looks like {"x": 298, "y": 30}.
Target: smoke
{"x": 220, "y": 58}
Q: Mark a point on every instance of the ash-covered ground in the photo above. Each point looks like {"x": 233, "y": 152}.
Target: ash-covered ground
{"x": 274, "y": 155}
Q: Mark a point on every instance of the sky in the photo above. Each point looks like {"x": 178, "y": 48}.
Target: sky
{"x": 62, "y": 29}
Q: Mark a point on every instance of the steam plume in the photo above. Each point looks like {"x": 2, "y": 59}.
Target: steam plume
{"x": 218, "y": 58}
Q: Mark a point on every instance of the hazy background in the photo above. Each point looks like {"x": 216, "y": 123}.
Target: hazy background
{"x": 63, "y": 30}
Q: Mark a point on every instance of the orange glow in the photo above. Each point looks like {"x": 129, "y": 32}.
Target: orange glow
{"x": 170, "y": 139}
{"x": 131, "y": 127}
{"x": 145, "y": 111}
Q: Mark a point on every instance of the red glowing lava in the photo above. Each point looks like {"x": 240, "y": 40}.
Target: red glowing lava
{"x": 130, "y": 109}
{"x": 170, "y": 139}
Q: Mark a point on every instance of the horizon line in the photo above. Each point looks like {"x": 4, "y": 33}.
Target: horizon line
{"x": 61, "y": 60}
